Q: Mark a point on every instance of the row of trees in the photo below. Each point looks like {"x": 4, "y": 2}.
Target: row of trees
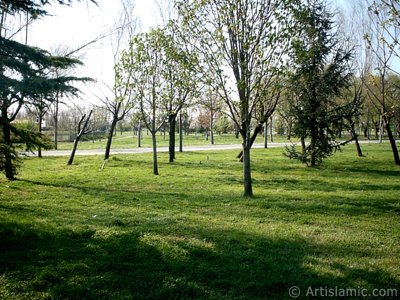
{"x": 247, "y": 60}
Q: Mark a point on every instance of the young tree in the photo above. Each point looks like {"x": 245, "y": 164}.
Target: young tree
{"x": 145, "y": 62}
{"x": 383, "y": 41}
{"x": 237, "y": 39}
{"x": 320, "y": 73}
{"x": 179, "y": 72}
{"x": 213, "y": 105}
{"x": 83, "y": 128}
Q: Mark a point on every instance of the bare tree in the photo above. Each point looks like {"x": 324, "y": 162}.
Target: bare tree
{"x": 382, "y": 41}
{"x": 83, "y": 128}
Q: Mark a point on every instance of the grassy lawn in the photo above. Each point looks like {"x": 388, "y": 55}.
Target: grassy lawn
{"x": 82, "y": 232}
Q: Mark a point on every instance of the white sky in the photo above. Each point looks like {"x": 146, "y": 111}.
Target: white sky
{"x": 82, "y": 22}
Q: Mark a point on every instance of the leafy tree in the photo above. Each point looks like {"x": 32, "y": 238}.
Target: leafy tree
{"x": 237, "y": 40}
{"x": 144, "y": 61}
{"x": 320, "y": 73}
{"x": 179, "y": 72}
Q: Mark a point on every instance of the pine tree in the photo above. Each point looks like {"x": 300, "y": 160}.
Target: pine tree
{"x": 319, "y": 75}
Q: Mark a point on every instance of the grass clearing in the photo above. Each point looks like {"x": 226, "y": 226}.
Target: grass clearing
{"x": 127, "y": 140}
{"x": 82, "y": 232}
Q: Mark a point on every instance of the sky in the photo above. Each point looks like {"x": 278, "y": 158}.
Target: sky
{"x": 75, "y": 25}
{"x": 82, "y": 22}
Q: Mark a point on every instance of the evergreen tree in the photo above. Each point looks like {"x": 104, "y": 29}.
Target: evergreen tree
{"x": 320, "y": 73}
{"x": 24, "y": 78}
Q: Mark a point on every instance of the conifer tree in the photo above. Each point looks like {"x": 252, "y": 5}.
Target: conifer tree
{"x": 320, "y": 73}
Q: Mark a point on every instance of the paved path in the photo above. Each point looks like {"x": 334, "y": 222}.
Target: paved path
{"x": 165, "y": 149}
{"x": 147, "y": 150}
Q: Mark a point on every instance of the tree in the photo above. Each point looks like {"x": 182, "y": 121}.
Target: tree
{"x": 383, "y": 42}
{"x": 24, "y": 77}
{"x": 120, "y": 103}
{"x": 320, "y": 73}
{"x": 179, "y": 73}
{"x": 213, "y": 104}
{"x": 237, "y": 40}
{"x": 144, "y": 61}
{"x": 83, "y": 128}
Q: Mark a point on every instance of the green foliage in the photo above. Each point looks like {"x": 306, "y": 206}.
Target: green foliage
{"x": 320, "y": 73}
{"x": 26, "y": 78}
{"x": 72, "y": 233}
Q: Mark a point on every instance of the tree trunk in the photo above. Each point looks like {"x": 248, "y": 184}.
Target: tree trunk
{"x": 392, "y": 143}
{"x": 180, "y": 133}
{"x": 266, "y": 135}
{"x": 155, "y": 163}
{"x": 256, "y": 131}
{"x": 71, "y": 157}
{"x": 313, "y": 154}
{"x": 236, "y": 132}
{"x": 40, "y": 132}
{"x": 303, "y": 145}
{"x": 109, "y": 138}
{"x": 381, "y": 129}
{"x": 354, "y": 135}
{"x": 55, "y": 118}
{"x": 8, "y": 164}
{"x": 139, "y": 135}
{"x": 248, "y": 187}
{"x": 271, "y": 138}
{"x": 81, "y": 131}
{"x": 171, "y": 150}
{"x": 211, "y": 128}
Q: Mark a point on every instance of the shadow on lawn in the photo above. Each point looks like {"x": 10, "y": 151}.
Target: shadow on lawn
{"x": 203, "y": 263}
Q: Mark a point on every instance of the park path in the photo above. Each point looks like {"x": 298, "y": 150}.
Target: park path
{"x": 147, "y": 150}
{"x": 165, "y": 149}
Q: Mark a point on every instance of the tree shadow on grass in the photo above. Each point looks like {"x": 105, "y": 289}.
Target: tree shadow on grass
{"x": 121, "y": 262}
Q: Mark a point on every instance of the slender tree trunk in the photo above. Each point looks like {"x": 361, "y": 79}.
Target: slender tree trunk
{"x": 40, "y": 132}
{"x": 381, "y": 129}
{"x": 81, "y": 131}
{"x": 8, "y": 164}
{"x": 354, "y": 135}
{"x": 211, "y": 128}
{"x": 180, "y": 133}
{"x": 236, "y": 132}
{"x": 303, "y": 145}
{"x": 72, "y": 155}
{"x": 155, "y": 163}
{"x": 139, "y": 134}
{"x": 55, "y": 118}
{"x": 271, "y": 138}
{"x": 266, "y": 135}
{"x": 392, "y": 143}
{"x": 172, "y": 125}
{"x": 109, "y": 138}
{"x": 247, "y": 181}
{"x": 313, "y": 156}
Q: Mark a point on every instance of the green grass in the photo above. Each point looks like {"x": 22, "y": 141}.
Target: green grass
{"x": 82, "y": 232}
{"x": 128, "y": 141}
